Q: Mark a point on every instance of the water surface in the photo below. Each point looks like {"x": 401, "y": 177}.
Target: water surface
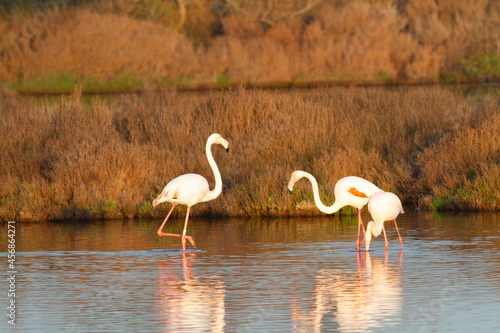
{"x": 258, "y": 275}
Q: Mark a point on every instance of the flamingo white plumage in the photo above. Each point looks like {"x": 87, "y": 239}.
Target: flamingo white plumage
{"x": 190, "y": 189}
{"x": 349, "y": 191}
{"x": 383, "y": 206}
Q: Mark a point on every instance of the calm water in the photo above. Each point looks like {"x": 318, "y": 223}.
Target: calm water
{"x": 257, "y": 275}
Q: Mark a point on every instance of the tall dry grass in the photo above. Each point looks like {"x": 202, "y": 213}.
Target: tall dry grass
{"x": 462, "y": 171}
{"x": 252, "y": 42}
{"x": 95, "y": 159}
{"x": 104, "y": 45}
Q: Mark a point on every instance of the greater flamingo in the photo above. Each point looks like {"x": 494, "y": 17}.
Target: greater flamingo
{"x": 189, "y": 189}
{"x": 383, "y": 206}
{"x": 349, "y": 191}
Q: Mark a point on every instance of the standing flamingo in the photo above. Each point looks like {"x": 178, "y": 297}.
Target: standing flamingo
{"x": 383, "y": 206}
{"x": 349, "y": 191}
{"x": 189, "y": 189}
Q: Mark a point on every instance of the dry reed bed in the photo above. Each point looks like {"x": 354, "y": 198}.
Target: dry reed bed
{"x": 77, "y": 159}
{"x": 337, "y": 40}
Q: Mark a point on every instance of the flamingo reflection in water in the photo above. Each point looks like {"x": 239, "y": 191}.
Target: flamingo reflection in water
{"x": 187, "y": 302}
{"x": 362, "y": 301}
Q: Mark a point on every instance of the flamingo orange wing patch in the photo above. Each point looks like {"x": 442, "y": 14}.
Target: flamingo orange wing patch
{"x": 357, "y": 193}
{"x": 165, "y": 194}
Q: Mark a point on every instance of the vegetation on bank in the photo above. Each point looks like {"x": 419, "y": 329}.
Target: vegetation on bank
{"x": 435, "y": 148}
{"x": 51, "y": 45}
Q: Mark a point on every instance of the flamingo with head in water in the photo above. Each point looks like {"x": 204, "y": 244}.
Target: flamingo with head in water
{"x": 190, "y": 189}
{"x": 383, "y": 206}
{"x": 349, "y": 191}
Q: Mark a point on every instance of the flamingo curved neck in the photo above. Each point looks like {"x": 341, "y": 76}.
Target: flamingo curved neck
{"x": 317, "y": 200}
{"x": 374, "y": 228}
{"x": 218, "y": 179}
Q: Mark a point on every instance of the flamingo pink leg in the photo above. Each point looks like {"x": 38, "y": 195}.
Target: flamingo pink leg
{"x": 385, "y": 237}
{"x": 400, "y": 240}
{"x": 360, "y": 223}
{"x": 183, "y": 236}
{"x": 165, "y": 221}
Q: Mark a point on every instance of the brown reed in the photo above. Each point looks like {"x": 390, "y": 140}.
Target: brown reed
{"x": 81, "y": 158}
{"x": 252, "y": 42}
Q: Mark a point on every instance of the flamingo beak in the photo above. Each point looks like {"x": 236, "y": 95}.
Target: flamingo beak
{"x": 368, "y": 236}
{"x": 368, "y": 241}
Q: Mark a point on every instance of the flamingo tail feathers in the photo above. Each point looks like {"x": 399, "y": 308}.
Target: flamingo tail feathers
{"x": 166, "y": 195}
